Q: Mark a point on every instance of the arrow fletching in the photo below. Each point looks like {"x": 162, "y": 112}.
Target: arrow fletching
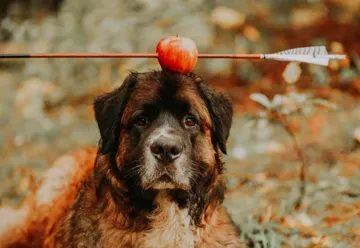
{"x": 317, "y": 55}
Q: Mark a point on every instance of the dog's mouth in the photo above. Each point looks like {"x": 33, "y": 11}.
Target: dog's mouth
{"x": 164, "y": 181}
{"x": 167, "y": 180}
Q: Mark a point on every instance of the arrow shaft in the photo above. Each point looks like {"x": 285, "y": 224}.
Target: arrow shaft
{"x": 229, "y": 56}
{"x": 123, "y": 55}
{"x": 80, "y": 55}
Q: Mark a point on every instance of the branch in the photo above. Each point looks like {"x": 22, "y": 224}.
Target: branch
{"x": 284, "y": 122}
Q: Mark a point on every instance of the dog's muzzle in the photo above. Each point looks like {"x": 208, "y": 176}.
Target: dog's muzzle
{"x": 166, "y": 159}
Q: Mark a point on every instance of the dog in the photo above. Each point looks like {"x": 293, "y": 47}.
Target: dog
{"x": 156, "y": 179}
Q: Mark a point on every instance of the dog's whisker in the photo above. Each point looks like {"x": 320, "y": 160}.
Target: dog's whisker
{"x": 193, "y": 169}
{"x": 133, "y": 170}
{"x": 133, "y": 162}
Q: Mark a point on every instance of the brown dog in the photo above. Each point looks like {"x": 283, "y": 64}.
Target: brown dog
{"x": 156, "y": 180}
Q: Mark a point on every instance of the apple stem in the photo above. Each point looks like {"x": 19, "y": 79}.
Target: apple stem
{"x": 177, "y": 35}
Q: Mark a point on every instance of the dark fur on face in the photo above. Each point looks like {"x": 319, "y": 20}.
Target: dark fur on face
{"x": 130, "y": 116}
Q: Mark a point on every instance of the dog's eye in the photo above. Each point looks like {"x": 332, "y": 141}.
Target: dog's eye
{"x": 141, "y": 121}
{"x": 190, "y": 121}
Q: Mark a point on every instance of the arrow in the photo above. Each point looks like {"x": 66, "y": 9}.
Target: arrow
{"x": 314, "y": 55}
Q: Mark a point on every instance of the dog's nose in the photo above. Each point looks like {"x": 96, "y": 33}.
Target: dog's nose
{"x": 166, "y": 150}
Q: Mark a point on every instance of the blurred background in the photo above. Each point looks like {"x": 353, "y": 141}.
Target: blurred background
{"x": 301, "y": 117}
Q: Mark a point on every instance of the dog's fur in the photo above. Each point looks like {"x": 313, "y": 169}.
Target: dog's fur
{"x": 116, "y": 196}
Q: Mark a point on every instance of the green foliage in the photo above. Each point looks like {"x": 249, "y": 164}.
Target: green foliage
{"x": 294, "y": 103}
{"x": 257, "y": 235}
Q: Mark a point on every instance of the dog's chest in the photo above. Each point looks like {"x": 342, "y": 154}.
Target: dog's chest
{"x": 171, "y": 226}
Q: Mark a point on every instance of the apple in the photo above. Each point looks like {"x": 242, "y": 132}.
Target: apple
{"x": 177, "y": 54}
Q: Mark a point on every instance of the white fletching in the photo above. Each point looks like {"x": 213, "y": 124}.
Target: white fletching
{"x": 314, "y": 55}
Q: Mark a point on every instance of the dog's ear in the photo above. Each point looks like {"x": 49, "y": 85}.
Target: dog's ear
{"x": 108, "y": 110}
{"x": 221, "y": 112}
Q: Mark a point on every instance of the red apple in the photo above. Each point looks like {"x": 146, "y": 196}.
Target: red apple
{"x": 177, "y": 53}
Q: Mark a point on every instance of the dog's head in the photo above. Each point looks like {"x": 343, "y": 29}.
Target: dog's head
{"x": 164, "y": 130}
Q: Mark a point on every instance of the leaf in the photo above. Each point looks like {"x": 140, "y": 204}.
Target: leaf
{"x": 240, "y": 152}
{"x": 251, "y": 33}
{"x": 322, "y": 241}
{"x": 227, "y": 18}
{"x": 279, "y": 99}
{"x": 298, "y": 221}
{"x": 347, "y": 75}
{"x": 286, "y": 111}
{"x": 305, "y": 17}
{"x": 300, "y": 98}
{"x": 304, "y": 219}
{"x": 261, "y": 98}
{"x": 332, "y": 220}
{"x": 325, "y": 103}
{"x": 320, "y": 74}
{"x": 292, "y": 72}
{"x": 307, "y": 110}
{"x": 274, "y": 147}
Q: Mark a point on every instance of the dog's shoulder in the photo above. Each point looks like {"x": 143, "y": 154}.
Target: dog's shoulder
{"x": 65, "y": 176}
{"x": 49, "y": 201}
